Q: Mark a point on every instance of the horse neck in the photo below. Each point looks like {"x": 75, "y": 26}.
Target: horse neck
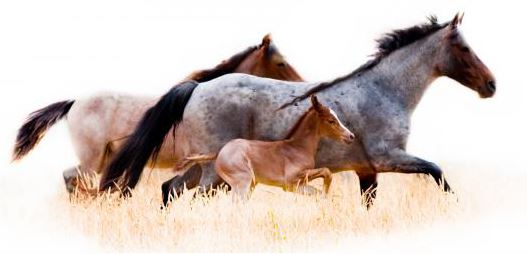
{"x": 305, "y": 136}
{"x": 406, "y": 73}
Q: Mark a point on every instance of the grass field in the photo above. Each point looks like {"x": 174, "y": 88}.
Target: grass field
{"x": 411, "y": 213}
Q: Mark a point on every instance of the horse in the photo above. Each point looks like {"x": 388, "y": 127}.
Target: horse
{"x": 101, "y": 123}
{"x": 288, "y": 163}
{"x": 375, "y": 101}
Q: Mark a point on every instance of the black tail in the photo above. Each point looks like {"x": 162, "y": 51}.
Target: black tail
{"x": 36, "y": 126}
{"x": 147, "y": 138}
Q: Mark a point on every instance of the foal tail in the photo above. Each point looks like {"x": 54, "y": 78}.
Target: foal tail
{"x": 194, "y": 159}
{"x": 36, "y": 126}
{"x": 146, "y": 140}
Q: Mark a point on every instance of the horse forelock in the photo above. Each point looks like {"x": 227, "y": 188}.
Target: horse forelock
{"x": 387, "y": 44}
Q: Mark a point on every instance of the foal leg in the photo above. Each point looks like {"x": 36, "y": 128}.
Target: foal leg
{"x": 209, "y": 179}
{"x": 368, "y": 187}
{"x": 311, "y": 174}
{"x": 175, "y": 186}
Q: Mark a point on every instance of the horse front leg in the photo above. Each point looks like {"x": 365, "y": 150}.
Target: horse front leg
{"x": 400, "y": 162}
{"x": 368, "y": 187}
{"x": 311, "y": 174}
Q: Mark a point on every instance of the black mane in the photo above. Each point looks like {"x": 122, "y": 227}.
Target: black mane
{"x": 387, "y": 44}
{"x": 225, "y": 67}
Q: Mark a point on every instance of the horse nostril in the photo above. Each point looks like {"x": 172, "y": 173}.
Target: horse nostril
{"x": 491, "y": 85}
{"x": 352, "y": 136}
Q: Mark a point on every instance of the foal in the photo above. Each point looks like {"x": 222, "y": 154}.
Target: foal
{"x": 287, "y": 163}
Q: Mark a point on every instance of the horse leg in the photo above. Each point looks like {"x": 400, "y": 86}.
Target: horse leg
{"x": 71, "y": 178}
{"x": 368, "y": 187}
{"x": 325, "y": 173}
{"x": 209, "y": 180}
{"x": 401, "y": 162}
{"x": 308, "y": 175}
{"x": 242, "y": 187}
{"x": 305, "y": 189}
{"x": 175, "y": 186}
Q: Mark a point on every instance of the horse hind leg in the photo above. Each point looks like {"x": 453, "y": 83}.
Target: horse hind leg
{"x": 92, "y": 162}
{"x": 76, "y": 179}
{"x": 174, "y": 187}
{"x": 71, "y": 178}
{"x": 209, "y": 180}
{"x": 242, "y": 187}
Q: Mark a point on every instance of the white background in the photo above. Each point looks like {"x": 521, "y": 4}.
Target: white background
{"x": 55, "y": 50}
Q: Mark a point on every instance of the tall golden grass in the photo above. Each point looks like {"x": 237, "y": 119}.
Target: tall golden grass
{"x": 273, "y": 220}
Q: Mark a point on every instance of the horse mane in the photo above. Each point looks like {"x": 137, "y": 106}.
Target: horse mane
{"x": 387, "y": 44}
{"x": 298, "y": 123}
{"x": 225, "y": 67}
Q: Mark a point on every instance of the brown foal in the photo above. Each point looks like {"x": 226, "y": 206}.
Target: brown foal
{"x": 287, "y": 163}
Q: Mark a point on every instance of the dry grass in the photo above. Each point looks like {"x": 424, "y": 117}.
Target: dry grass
{"x": 273, "y": 220}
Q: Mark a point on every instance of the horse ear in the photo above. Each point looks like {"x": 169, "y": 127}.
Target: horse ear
{"x": 266, "y": 41}
{"x": 455, "y": 21}
{"x": 461, "y": 17}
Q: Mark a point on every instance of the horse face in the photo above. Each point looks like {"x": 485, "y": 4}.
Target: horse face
{"x": 330, "y": 124}
{"x": 463, "y": 65}
{"x": 267, "y": 61}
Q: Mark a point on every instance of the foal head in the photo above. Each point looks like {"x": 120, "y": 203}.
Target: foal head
{"x": 459, "y": 62}
{"x": 329, "y": 124}
{"x": 266, "y": 61}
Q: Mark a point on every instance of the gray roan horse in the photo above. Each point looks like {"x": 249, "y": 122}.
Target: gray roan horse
{"x": 99, "y": 124}
{"x": 376, "y": 102}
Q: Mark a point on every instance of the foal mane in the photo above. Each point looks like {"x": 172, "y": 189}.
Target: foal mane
{"x": 298, "y": 123}
{"x": 387, "y": 44}
{"x": 225, "y": 67}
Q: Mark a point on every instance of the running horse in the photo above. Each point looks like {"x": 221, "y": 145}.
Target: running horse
{"x": 375, "y": 101}
{"x": 100, "y": 124}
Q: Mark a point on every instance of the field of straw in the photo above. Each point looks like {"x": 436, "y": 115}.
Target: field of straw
{"x": 486, "y": 213}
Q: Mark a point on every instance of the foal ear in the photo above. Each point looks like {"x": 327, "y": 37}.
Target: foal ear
{"x": 315, "y": 103}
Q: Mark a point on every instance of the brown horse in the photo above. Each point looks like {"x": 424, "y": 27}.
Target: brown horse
{"x": 289, "y": 163}
{"x": 100, "y": 124}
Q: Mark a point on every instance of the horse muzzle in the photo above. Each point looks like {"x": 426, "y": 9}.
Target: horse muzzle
{"x": 488, "y": 90}
{"x": 348, "y": 139}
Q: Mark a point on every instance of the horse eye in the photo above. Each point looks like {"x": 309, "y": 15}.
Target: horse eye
{"x": 465, "y": 49}
{"x": 332, "y": 122}
{"x": 281, "y": 64}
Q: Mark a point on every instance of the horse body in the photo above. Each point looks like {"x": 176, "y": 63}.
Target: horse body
{"x": 375, "y": 102}
{"x": 101, "y": 123}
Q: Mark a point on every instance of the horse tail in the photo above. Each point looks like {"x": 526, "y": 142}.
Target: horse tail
{"x": 36, "y": 126}
{"x": 194, "y": 159}
{"x": 146, "y": 141}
